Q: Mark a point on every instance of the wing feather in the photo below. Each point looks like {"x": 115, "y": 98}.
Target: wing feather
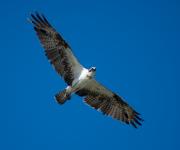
{"x": 109, "y": 103}
{"x": 56, "y": 49}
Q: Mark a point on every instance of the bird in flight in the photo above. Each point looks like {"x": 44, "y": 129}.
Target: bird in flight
{"x": 80, "y": 80}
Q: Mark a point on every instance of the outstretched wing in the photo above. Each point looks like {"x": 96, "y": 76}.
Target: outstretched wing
{"x": 109, "y": 103}
{"x": 56, "y": 49}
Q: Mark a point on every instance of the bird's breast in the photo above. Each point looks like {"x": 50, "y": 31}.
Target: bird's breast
{"x": 81, "y": 81}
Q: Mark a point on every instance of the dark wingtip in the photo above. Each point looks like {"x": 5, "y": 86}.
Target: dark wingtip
{"x": 38, "y": 19}
{"x": 29, "y": 19}
{"x": 137, "y": 120}
{"x": 137, "y": 113}
{"x": 133, "y": 124}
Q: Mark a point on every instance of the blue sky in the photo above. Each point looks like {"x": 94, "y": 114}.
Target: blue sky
{"x": 135, "y": 47}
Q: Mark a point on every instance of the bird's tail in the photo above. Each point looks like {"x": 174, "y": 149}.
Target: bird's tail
{"x": 62, "y": 96}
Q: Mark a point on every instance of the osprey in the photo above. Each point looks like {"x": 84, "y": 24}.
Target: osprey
{"x": 79, "y": 79}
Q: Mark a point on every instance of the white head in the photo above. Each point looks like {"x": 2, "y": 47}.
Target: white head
{"x": 92, "y": 71}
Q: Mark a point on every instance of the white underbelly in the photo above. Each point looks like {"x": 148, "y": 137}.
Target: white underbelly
{"x": 80, "y": 84}
{"x": 81, "y": 81}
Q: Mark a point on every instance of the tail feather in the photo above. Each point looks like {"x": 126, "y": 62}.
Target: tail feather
{"x": 62, "y": 97}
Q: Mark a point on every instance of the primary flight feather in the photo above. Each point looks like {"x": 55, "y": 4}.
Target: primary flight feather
{"x": 80, "y": 80}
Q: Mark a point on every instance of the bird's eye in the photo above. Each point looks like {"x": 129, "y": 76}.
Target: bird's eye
{"x": 90, "y": 70}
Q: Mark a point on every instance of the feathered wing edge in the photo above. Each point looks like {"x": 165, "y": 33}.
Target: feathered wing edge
{"x": 56, "y": 49}
{"x": 109, "y": 104}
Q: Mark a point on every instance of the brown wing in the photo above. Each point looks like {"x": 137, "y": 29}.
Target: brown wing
{"x": 109, "y": 103}
{"x": 56, "y": 49}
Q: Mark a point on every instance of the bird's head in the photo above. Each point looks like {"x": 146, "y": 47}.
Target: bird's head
{"x": 92, "y": 72}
